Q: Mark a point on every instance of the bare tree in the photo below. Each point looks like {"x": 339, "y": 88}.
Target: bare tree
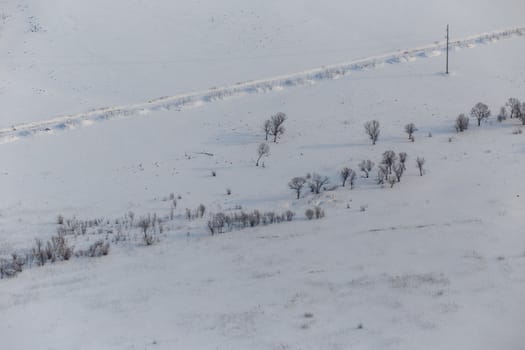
{"x": 399, "y": 169}
{"x": 351, "y": 178}
{"x": 382, "y": 174}
{"x": 144, "y": 224}
{"x": 297, "y": 184}
{"x": 317, "y": 182}
{"x": 366, "y": 167}
{"x": 502, "y": 115}
{"x": 389, "y": 158}
{"x": 462, "y": 123}
{"x": 410, "y": 128}
{"x": 372, "y": 130}
{"x": 277, "y": 128}
{"x": 391, "y": 180}
{"x": 347, "y": 174}
{"x": 263, "y": 150}
{"x": 267, "y": 128}
{"x": 420, "y": 162}
{"x": 514, "y": 107}
{"x": 403, "y": 159}
{"x": 480, "y": 111}
{"x": 521, "y": 113}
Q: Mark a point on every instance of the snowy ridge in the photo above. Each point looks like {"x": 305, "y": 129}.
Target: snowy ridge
{"x": 195, "y": 99}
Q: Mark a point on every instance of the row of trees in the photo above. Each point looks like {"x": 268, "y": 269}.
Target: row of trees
{"x": 390, "y": 170}
{"x": 513, "y": 108}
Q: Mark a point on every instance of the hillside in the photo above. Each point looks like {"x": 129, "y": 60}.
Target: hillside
{"x": 434, "y": 262}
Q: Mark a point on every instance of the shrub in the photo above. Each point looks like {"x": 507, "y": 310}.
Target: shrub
{"x": 97, "y": 249}
{"x": 502, "y": 116}
{"x": 461, "y": 123}
{"x": 201, "y": 209}
{"x": 144, "y": 224}
{"x": 309, "y": 213}
{"x": 319, "y": 212}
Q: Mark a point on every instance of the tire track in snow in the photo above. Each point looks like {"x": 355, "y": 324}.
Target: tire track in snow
{"x": 195, "y": 99}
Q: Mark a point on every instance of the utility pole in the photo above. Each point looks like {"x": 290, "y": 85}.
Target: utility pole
{"x": 447, "y": 51}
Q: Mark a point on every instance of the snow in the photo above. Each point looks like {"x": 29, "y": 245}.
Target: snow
{"x": 435, "y": 262}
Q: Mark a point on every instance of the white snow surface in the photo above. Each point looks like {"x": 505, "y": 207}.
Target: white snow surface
{"x": 436, "y": 262}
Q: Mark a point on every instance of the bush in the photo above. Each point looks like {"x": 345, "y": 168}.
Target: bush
{"x": 319, "y": 213}
{"x": 309, "y": 213}
{"x": 461, "y": 123}
{"x": 97, "y": 249}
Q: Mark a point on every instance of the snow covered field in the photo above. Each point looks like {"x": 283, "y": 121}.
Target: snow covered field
{"x": 436, "y": 262}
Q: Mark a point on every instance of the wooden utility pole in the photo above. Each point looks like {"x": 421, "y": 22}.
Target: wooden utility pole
{"x": 447, "y": 51}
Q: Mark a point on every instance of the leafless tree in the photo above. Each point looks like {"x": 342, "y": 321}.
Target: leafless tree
{"x": 351, "y": 178}
{"x": 462, "y": 123}
{"x": 267, "y": 128}
{"x": 144, "y": 224}
{"x": 347, "y": 174}
{"x": 403, "y": 159}
{"x": 366, "y": 166}
{"x": 514, "y": 107}
{"x": 372, "y": 130}
{"x": 410, "y": 128}
{"x": 297, "y": 184}
{"x": 420, "y": 162}
{"x": 317, "y": 182}
{"x": 276, "y": 127}
{"x": 502, "y": 115}
{"x": 521, "y": 113}
{"x": 201, "y": 209}
{"x": 399, "y": 169}
{"x": 382, "y": 174}
{"x": 344, "y": 174}
{"x": 391, "y": 180}
{"x": 480, "y": 111}
{"x": 389, "y": 158}
{"x": 263, "y": 150}
{"x": 39, "y": 253}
